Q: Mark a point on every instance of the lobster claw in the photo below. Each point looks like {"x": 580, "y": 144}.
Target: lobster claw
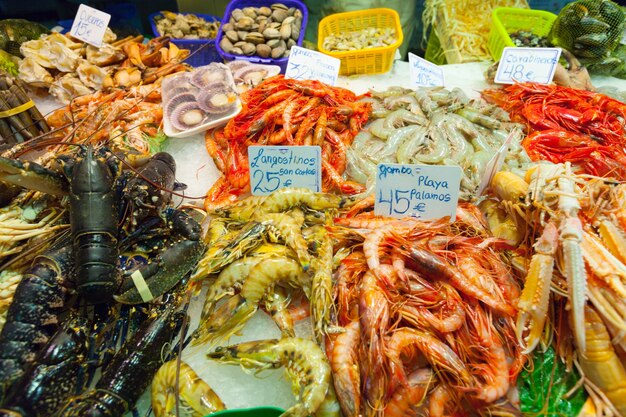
{"x": 162, "y": 274}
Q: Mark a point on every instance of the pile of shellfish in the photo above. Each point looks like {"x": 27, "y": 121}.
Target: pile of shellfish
{"x": 262, "y": 31}
{"x": 362, "y": 39}
{"x": 248, "y": 75}
{"x": 69, "y": 68}
{"x": 185, "y": 26}
{"x": 193, "y": 99}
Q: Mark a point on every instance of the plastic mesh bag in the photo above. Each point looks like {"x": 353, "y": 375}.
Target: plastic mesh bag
{"x": 590, "y": 29}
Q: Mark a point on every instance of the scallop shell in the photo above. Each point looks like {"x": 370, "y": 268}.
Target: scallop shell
{"x": 252, "y": 74}
{"x": 204, "y": 77}
{"x": 237, "y": 65}
{"x": 186, "y": 116}
{"x": 217, "y": 101}
{"x": 178, "y": 81}
{"x": 177, "y": 100}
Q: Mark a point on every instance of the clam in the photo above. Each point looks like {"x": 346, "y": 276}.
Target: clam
{"x": 250, "y": 12}
{"x": 271, "y": 33}
{"x": 237, "y": 14}
{"x": 248, "y": 48}
{"x": 279, "y": 15}
{"x": 245, "y": 23}
{"x": 278, "y": 52}
{"x": 226, "y": 45}
{"x": 264, "y": 11}
{"x": 279, "y": 6}
{"x": 263, "y": 50}
{"x": 255, "y": 38}
{"x": 231, "y": 35}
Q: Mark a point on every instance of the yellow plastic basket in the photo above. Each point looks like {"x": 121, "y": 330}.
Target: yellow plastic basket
{"x": 506, "y": 20}
{"x": 362, "y": 61}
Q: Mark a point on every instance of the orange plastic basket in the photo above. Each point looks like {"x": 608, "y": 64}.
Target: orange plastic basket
{"x": 362, "y": 61}
{"x": 506, "y": 20}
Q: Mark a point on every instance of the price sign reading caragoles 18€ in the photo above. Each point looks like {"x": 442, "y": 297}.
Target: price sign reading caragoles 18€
{"x": 519, "y": 65}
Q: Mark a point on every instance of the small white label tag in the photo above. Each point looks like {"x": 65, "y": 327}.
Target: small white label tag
{"x": 518, "y": 65}
{"x": 89, "y": 25}
{"x": 426, "y": 192}
{"x": 495, "y": 163}
{"x": 424, "y": 73}
{"x": 275, "y": 167}
{"x": 305, "y": 64}
{"x": 142, "y": 286}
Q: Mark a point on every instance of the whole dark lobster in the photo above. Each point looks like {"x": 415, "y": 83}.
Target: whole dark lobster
{"x": 101, "y": 198}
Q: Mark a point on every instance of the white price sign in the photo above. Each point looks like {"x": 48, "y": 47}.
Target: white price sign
{"x": 519, "y": 65}
{"x": 275, "y": 167}
{"x": 305, "y": 64}
{"x": 424, "y": 73}
{"x": 423, "y": 191}
{"x": 89, "y": 25}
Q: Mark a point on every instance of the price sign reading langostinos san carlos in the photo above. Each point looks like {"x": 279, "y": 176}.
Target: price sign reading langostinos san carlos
{"x": 423, "y": 191}
{"x": 424, "y": 73}
{"x": 275, "y": 167}
{"x": 519, "y": 65}
{"x": 89, "y": 25}
{"x": 305, "y": 64}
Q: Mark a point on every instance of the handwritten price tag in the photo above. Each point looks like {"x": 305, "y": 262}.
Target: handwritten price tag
{"x": 424, "y": 73}
{"x": 275, "y": 167}
{"x": 89, "y": 25}
{"x": 305, "y": 64}
{"x": 527, "y": 64}
{"x": 423, "y": 191}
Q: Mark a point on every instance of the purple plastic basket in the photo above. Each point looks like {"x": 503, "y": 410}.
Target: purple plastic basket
{"x": 203, "y": 51}
{"x": 281, "y": 62}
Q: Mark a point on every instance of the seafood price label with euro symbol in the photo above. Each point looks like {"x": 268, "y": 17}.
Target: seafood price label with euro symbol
{"x": 426, "y": 192}
{"x": 424, "y": 73}
{"x": 527, "y": 65}
{"x": 305, "y": 64}
{"x": 276, "y": 167}
{"x": 90, "y": 25}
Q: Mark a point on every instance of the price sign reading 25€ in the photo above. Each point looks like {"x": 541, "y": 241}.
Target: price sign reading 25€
{"x": 276, "y": 167}
{"x": 518, "y": 65}
{"x": 423, "y": 191}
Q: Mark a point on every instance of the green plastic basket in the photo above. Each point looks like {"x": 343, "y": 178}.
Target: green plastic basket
{"x": 249, "y": 412}
{"x": 506, "y": 20}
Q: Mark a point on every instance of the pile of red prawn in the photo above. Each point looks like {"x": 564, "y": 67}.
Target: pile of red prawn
{"x": 282, "y": 111}
{"x": 425, "y": 313}
{"x": 566, "y": 124}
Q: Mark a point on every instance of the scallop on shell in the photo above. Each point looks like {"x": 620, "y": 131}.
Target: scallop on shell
{"x": 217, "y": 100}
{"x": 204, "y": 77}
{"x": 183, "y": 112}
{"x": 250, "y": 74}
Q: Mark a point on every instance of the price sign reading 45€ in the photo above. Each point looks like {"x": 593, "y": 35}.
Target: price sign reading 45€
{"x": 518, "y": 65}
{"x": 275, "y": 167}
{"x": 423, "y": 191}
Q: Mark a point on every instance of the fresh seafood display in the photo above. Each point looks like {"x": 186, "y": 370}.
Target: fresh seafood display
{"x": 262, "y": 242}
{"x": 568, "y": 125}
{"x": 283, "y": 111}
{"x": 433, "y": 126}
{"x": 362, "y": 39}
{"x": 114, "y": 300}
{"x": 571, "y": 226}
{"x": 185, "y": 26}
{"x": 21, "y": 120}
{"x": 427, "y": 322}
{"x": 68, "y": 68}
{"x": 194, "y": 99}
{"x": 268, "y": 32}
{"x": 91, "y": 236}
